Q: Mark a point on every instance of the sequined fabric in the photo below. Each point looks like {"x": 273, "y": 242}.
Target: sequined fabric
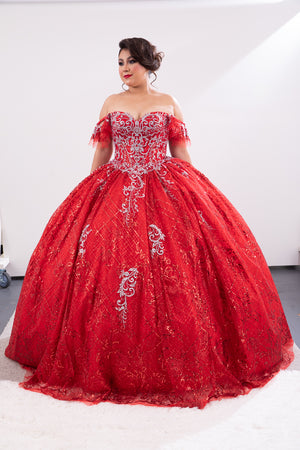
{"x": 147, "y": 286}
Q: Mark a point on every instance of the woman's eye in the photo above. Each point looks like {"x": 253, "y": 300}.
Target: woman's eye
{"x": 120, "y": 63}
{"x": 132, "y": 61}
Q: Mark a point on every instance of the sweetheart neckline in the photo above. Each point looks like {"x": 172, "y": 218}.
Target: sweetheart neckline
{"x": 144, "y": 115}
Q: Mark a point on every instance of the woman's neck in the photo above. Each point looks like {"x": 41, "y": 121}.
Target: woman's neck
{"x": 141, "y": 90}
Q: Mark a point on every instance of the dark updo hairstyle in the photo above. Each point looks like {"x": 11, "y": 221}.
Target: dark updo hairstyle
{"x": 143, "y": 52}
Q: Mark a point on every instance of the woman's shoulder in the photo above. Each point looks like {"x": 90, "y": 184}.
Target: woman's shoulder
{"x": 169, "y": 99}
{"x": 111, "y": 99}
{"x": 108, "y": 104}
{"x": 165, "y": 96}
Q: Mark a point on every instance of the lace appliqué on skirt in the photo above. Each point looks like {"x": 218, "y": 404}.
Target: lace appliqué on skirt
{"x": 126, "y": 289}
{"x": 157, "y": 237}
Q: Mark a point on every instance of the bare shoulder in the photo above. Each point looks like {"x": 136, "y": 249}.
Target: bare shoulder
{"x": 108, "y": 104}
{"x": 171, "y": 100}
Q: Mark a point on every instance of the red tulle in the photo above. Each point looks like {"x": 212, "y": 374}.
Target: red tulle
{"x": 147, "y": 286}
{"x": 178, "y": 133}
{"x": 102, "y": 132}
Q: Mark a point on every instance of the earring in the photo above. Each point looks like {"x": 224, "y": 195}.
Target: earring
{"x": 123, "y": 84}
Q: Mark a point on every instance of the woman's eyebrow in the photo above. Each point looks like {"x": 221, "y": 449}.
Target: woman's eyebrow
{"x": 129, "y": 57}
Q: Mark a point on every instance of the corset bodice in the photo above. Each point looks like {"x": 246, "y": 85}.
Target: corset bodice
{"x": 140, "y": 145}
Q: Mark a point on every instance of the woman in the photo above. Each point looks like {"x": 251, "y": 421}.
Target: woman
{"x": 147, "y": 286}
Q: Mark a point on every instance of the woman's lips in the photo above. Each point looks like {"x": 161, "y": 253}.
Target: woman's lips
{"x": 127, "y": 76}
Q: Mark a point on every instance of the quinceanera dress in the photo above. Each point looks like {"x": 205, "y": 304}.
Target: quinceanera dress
{"x": 147, "y": 286}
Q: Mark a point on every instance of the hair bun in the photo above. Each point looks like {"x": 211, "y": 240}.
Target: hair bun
{"x": 143, "y": 51}
{"x": 158, "y": 56}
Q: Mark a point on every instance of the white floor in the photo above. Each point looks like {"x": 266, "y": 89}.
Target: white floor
{"x": 267, "y": 419}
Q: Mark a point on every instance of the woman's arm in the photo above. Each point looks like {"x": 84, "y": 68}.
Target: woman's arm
{"x": 179, "y": 150}
{"x": 103, "y": 151}
{"x": 102, "y": 155}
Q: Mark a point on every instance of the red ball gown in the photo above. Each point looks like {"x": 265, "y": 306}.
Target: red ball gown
{"x": 147, "y": 286}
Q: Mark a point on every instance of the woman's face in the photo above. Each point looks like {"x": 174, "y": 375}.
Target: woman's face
{"x": 132, "y": 73}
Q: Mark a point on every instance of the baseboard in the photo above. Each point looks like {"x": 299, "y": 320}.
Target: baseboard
{"x": 270, "y": 267}
{"x": 297, "y": 267}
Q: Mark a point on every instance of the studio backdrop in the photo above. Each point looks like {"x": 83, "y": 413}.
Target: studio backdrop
{"x": 234, "y": 68}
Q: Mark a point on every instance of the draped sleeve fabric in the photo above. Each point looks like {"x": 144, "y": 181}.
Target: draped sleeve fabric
{"x": 102, "y": 132}
{"x": 178, "y": 133}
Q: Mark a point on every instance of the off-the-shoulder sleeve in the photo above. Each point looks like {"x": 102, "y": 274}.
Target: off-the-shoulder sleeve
{"x": 177, "y": 132}
{"x": 102, "y": 132}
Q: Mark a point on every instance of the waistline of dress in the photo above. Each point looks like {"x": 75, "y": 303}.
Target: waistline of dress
{"x": 139, "y": 168}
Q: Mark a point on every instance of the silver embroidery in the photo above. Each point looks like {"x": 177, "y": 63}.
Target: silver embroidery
{"x": 156, "y": 236}
{"x": 184, "y": 172}
{"x": 203, "y": 220}
{"x": 83, "y": 237}
{"x": 132, "y": 193}
{"x": 126, "y": 289}
{"x": 140, "y": 147}
{"x": 164, "y": 174}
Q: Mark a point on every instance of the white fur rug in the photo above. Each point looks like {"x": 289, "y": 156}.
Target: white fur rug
{"x": 267, "y": 419}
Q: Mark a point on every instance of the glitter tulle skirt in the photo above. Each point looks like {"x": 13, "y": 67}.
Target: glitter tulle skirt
{"x": 171, "y": 305}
